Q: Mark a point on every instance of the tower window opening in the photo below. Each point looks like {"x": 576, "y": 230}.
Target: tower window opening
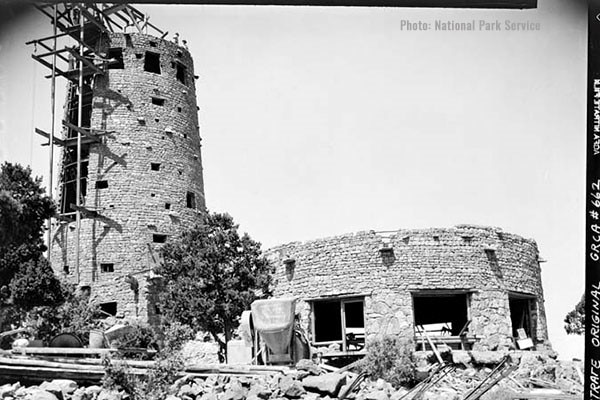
{"x": 152, "y": 62}
{"x": 115, "y": 58}
{"x": 109, "y": 308}
{"x": 190, "y": 200}
{"x": 107, "y": 267}
{"x": 179, "y": 109}
{"x": 181, "y": 73}
{"x": 66, "y": 269}
{"x": 158, "y": 238}
{"x": 155, "y": 166}
{"x": 158, "y": 101}
{"x": 101, "y": 184}
{"x": 167, "y": 206}
{"x": 153, "y": 43}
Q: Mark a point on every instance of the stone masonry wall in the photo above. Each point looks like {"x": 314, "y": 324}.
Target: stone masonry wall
{"x": 139, "y": 202}
{"x": 483, "y": 261}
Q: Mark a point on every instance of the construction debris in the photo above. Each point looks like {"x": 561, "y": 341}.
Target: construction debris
{"x": 523, "y": 375}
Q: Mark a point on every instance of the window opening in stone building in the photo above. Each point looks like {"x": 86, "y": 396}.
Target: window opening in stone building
{"x": 107, "y": 267}
{"x": 157, "y": 101}
{"x": 155, "y": 166}
{"x": 66, "y": 269}
{"x": 521, "y": 317}
{"x": 443, "y": 317}
{"x": 115, "y": 58}
{"x": 190, "y": 200}
{"x": 158, "y": 238}
{"x": 152, "y": 62}
{"x": 86, "y": 291}
{"x": 180, "y": 72}
{"x": 167, "y": 206}
{"x": 139, "y": 56}
{"x": 109, "y": 309}
{"x": 179, "y": 109}
{"x": 339, "y": 322}
{"x": 101, "y": 184}
{"x": 153, "y": 43}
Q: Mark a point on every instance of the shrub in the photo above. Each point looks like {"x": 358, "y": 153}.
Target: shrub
{"x": 390, "y": 358}
{"x": 141, "y": 336}
{"x": 76, "y": 315}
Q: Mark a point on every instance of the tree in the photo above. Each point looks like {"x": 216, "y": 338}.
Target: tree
{"x": 575, "y": 319}
{"x": 26, "y": 278}
{"x": 212, "y": 274}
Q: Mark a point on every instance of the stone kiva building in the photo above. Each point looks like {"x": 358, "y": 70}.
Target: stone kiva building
{"x": 141, "y": 171}
{"x": 470, "y": 287}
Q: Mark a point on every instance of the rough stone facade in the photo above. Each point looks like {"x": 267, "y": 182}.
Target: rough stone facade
{"x": 144, "y": 180}
{"x": 388, "y": 271}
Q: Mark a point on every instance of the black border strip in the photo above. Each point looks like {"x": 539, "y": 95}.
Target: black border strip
{"x": 592, "y": 208}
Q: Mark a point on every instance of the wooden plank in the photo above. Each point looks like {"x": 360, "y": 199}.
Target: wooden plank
{"x": 56, "y": 140}
{"x": 12, "y": 332}
{"x": 63, "y": 350}
{"x": 557, "y": 396}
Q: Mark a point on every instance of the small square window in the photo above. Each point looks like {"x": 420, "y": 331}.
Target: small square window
{"x": 66, "y": 269}
{"x": 158, "y": 101}
{"x": 153, "y": 43}
{"x": 101, "y": 184}
{"x": 181, "y": 73}
{"x": 115, "y": 58}
{"x": 107, "y": 267}
{"x": 86, "y": 291}
{"x": 109, "y": 308}
{"x": 157, "y": 238}
{"x": 179, "y": 109}
{"x": 167, "y": 206}
{"x": 152, "y": 62}
{"x": 190, "y": 199}
{"x": 155, "y": 166}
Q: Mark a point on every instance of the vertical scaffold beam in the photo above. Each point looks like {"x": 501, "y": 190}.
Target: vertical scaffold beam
{"x": 79, "y": 123}
{"x": 51, "y": 146}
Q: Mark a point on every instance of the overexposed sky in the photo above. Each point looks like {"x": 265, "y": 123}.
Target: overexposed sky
{"x": 321, "y": 121}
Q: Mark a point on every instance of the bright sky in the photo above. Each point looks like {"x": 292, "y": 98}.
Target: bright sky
{"x": 322, "y": 121}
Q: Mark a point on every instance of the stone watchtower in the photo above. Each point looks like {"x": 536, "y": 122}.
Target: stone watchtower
{"x": 140, "y": 170}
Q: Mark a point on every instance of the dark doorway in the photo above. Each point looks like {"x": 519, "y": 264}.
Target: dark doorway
{"x": 328, "y": 321}
{"x": 520, "y": 315}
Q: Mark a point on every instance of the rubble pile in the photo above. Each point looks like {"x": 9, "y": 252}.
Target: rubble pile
{"x": 309, "y": 381}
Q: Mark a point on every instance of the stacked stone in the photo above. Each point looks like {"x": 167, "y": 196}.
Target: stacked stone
{"x": 144, "y": 180}
{"x": 485, "y": 262}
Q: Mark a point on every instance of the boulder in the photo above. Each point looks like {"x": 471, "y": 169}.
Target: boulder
{"x": 208, "y": 396}
{"x": 40, "y": 394}
{"x": 66, "y": 385}
{"x": 461, "y": 357}
{"x": 259, "y": 390}
{"x": 109, "y": 395}
{"x": 377, "y": 395}
{"x": 294, "y": 391}
{"x": 53, "y": 388}
{"x": 235, "y": 392}
{"x": 487, "y": 357}
{"x": 329, "y": 384}
{"x": 192, "y": 390}
{"x": 92, "y": 391}
{"x": 308, "y": 366}
{"x": 9, "y": 390}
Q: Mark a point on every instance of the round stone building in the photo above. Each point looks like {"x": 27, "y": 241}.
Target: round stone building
{"x": 469, "y": 287}
{"x": 141, "y": 171}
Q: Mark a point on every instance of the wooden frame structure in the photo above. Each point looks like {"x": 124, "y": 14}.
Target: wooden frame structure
{"x": 77, "y": 28}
